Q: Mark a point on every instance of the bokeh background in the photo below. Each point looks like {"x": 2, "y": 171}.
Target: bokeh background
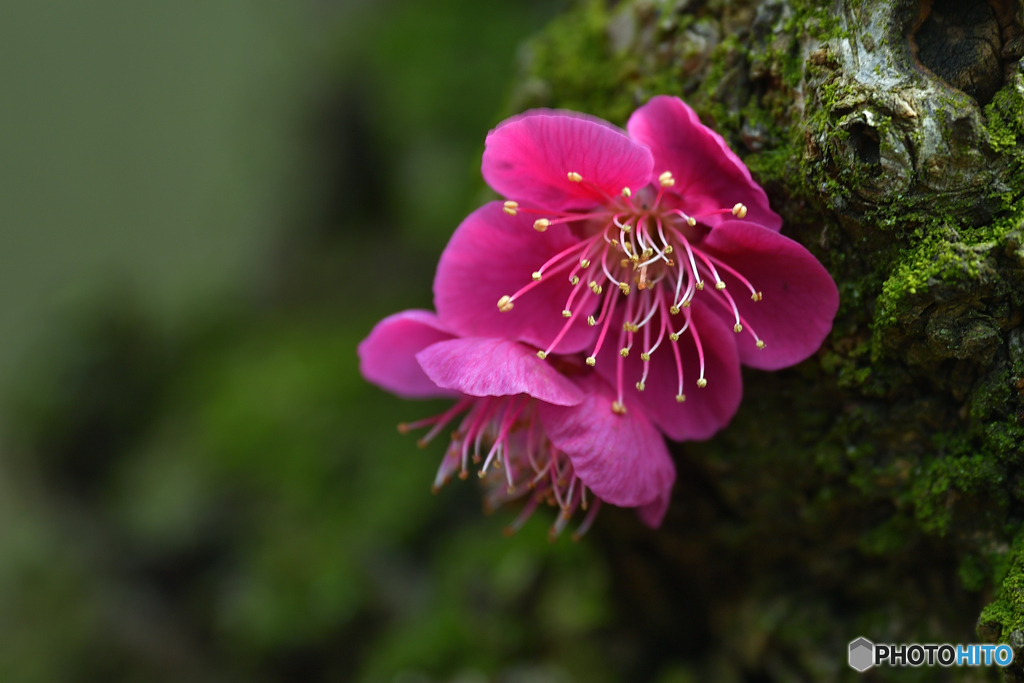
{"x": 204, "y": 206}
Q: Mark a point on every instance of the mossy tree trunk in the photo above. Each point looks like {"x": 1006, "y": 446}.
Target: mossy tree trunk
{"x": 876, "y": 490}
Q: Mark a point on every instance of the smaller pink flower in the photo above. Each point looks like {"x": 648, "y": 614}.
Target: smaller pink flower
{"x": 528, "y": 425}
{"x": 652, "y": 253}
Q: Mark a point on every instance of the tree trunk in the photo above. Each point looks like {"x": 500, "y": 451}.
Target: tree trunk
{"x": 875, "y": 490}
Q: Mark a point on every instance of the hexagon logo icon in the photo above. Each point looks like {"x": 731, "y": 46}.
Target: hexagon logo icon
{"x": 862, "y": 654}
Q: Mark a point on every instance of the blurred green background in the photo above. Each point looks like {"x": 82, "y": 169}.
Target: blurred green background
{"x": 204, "y": 207}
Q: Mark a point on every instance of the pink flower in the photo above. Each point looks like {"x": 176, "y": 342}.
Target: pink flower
{"x": 616, "y": 245}
{"x": 530, "y": 425}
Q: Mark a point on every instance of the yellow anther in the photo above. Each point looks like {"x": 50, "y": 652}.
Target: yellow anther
{"x": 686, "y": 304}
{"x": 702, "y": 383}
{"x": 624, "y": 287}
{"x": 673, "y": 336}
{"x": 760, "y": 343}
{"x": 674, "y": 310}
{"x": 737, "y": 328}
{"x": 481, "y": 474}
{"x": 537, "y": 275}
{"x": 591, "y": 361}
{"x": 669, "y": 249}
{"x": 624, "y": 352}
{"x": 585, "y": 263}
{"x": 719, "y": 285}
{"x": 403, "y": 428}
{"x": 510, "y": 207}
{"x": 567, "y": 313}
{"x": 670, "y": 263}
{"x": 574, "y": 176}
{"x": 542, "y": 355}
{"x": 645, "y": 356}
{"x": 541, "y": 224}
{"x": 756, "y": 296}
{"x": 691, "y": 221}
{"x": 596, "y": 288}
{"x": 618, "y": 408}
{"x": 627, "y": 228}
{"x": 615, "y": 242}
{"x": 640, "y": 386}
{"x": 739, "y": 211}
{"x": 625, "y": 263}
{"x": 680, "y": 398}
{"x": 626, "y": 192}
{"x": 666, "y": 179}
{"x": 634, "y": 328}
{"x": 648, "y": 253}
{"x": 505, "y": 304}
{"x": 700, "y": 285}
{"x": 591, "y": 320}
{"x": 574, "y": 280}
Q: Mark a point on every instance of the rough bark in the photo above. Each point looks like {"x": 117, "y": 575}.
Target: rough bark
{"x": 876, "y": 489}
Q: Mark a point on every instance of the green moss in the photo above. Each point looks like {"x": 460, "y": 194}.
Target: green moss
{"x": 1007, "y": 609}
{"x": 574, "y": 59}
{"x": 1003, "y": 117}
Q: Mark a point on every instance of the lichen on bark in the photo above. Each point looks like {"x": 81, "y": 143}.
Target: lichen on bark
{"x": 876, "y": 489}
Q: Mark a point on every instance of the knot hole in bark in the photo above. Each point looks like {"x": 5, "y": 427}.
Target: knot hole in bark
{"x": 865, "y": 142}
{"x": 968, "y": 44}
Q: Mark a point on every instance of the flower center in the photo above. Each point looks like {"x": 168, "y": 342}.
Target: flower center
{"x": 503, "y": 437}
{"x": 641, "y": 253}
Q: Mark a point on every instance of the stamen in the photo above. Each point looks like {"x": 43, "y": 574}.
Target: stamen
{"x": 693, "y": 263}
{"x": 739, "y": 211}
{"x": 666, "y": 179}
{"x": 679, "y": 365}
{"x": 588, "y": 521}
{"x": 565, "y": 328}
{"x": 690, "y": 220}
{"x": 626, "y": 192}
{"x": 719, "y": 285}
{"x": 754, "y": 294}
{"x": 510, "y": 207}
{"x": 506, "y": 424}
{"x": 607, "y": 312}
{"x": 701, "y": 382}
{"x": 439, "y": 422}
{"x": 525, "y": 514}
{"x": 541, "y": 224}
{"x": 574, "y": 176}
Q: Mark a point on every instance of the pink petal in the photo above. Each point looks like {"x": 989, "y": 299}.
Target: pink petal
{"x": 387, "y": 357}
{"x": 496, "y": 367}
{"x": 706, "y": 410}
{"x": 492, "y": 255}
{"x": 621, "y": 458}
{"x": 528, "y": 159}
{"x": 800, "y": 299}
{"x": 709, "y": 176}
{"x": 652, "y": 514}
